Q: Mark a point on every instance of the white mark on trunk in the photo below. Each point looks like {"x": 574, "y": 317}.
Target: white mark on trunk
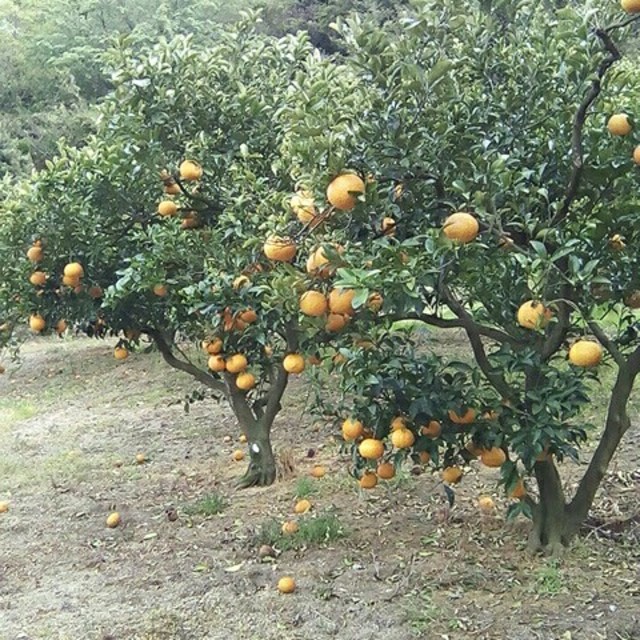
{"x": 255, "y": 448}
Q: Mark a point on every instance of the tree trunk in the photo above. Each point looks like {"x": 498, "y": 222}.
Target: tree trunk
{"x": 549, "y": 530}
{"x": 262, "y": 466}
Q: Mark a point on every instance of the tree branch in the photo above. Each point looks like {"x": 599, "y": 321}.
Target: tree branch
{"x": 455, "y": 323}
{"x": 577, "y": 155}
{"x": 608, "y": 344}
{"x": 491, "y": 374}
{"x": 201, "y": 376}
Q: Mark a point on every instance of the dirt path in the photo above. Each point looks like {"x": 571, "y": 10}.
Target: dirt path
{"x": 71, "y": 423}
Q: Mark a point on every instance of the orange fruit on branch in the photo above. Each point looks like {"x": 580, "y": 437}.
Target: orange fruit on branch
{"x": 619, "y": 125}
{"x": 451, "y": 475}
{"x": 340, "y": 301}
{"x": 279, "y": 249}
{"x": 432, "y": 429}
{"x": 352, "y": 429}
{"x": 167, "y": 208}
{"x": 343, "y": 191}
{"x": 190, "y": 171}
{"x": 37, "y": 323}
{"x": 73, "y": 270}
{"x": 386, "y": 471}
{"x": 466, "y": 418}
{"x": 245, "y": 381}
{"x": 237, "y": 363}
{"x": 533, "y": 315}
{"x": 402, "y": 438}
{"x": 313, "y": 304}
{"x": 38, "y": 278}
{"x": 293, "y": 363}
{"x": 461, "y": 227}
{"x": 368, "y": 480}
{"x": 35, "y": 254}
{"x": 494, "y": 457}
{"x": 371, "y": 449}
{"x": 585, "y": 353}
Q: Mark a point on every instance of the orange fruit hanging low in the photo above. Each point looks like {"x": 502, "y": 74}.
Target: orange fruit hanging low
{"x": 352, "y": 429}
{"x": 279, "y": 249}
{"x": 313, "y": 304}
{"x": 585, "y": 353}
{"x": 371, "y": 449}
{"x": 461, "y": 227}
{"x": 619, "y": 125}
{"x": 190, "y": 171}
{"x": 293, "y": 363}
{"x": 533, "y": 315}
{"x": 343, "y": 191}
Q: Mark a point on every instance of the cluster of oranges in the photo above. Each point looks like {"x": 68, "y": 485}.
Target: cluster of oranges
{"x": 189, "y": 171}
{"x": 402, "y": 437}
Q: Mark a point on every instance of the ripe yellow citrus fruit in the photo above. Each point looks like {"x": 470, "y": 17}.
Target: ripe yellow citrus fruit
{"x": 585, "y": 353}
{"x": 37, "y": 323}
{"x": 35, "y": 254}
{"x": 399, "y": 422}
{"x": 286, "y": 585}
{"x": 73, "y": 270}
{"x": 466, "y": 418}
{"x": 630, "y": 6}
{"x": 386, "y": 471}
{"x": 238, "y": 455}
{"x": 343, "y": 191}
{"x": 303, "y": 206}
{"x": 293, "y": 363}
{"x": 424, "y": 457}
{"x": 216, "y": 363}
{"x": 141, "y": 458}
{"x": 214, "y": 347}
{"x": 375, "y": 302}
{"x": 619, "y": 125}
{"x": 289, "y": 527}
{"x": 113, "y": 520}
{"x": 190, "y": 170}
{"x": 486, "y": 504}
{"x": 245, "y": 381}
{"x": 461, "y": 227}
{"x": 368, "y": 480}
{"x": 302, "y": 506}
{"x": 279, "y": 249}
{"x": 519, "y": 491}
{"x": 388, "y": 227}
{"x": 352, "y": 429}
{"x": 451, "y": 475}
{"x": 318, "y": 471}
{"x": 402, "y": 438}
{"x": 432, "y": 429}
{"x": 533, "y": 315}
{"x": 340, "y": 301}
{"x": 237, "y": 363}
{"x": 636, "y": 151}
{"x": 240, "y": 282}
{"x": 313, "y": 303}
{"x": 160, "y": 290}
{"x": 68, "y": 281}
{"x": 172, "y": 189}
{"x": 120, "y": 353}
{"x": 494, "y": 457}
{"x": 167, "y": 208}
{"x": 248, "y": 316}
{"x": 371, "y": 449}
{"x": 38, "y": 278}
{"x": 335, "y": 322}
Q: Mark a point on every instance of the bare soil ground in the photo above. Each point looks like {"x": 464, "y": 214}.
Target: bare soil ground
{"x": 406, "y": 567}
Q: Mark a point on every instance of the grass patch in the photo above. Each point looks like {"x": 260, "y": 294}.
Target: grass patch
{"x": 210, "y": 505}
{"x": 305, "y": 487}
{"x": 548, "y": 579}
{"x": 313, "y": 531}
{"x": 15, "y": 411}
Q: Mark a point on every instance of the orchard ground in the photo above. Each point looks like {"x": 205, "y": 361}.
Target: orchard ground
{"x": 406, "y": 567}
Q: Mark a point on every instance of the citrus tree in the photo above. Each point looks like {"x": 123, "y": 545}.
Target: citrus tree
{"x": 496, "y": 142}
{"x": 160, "y": 227}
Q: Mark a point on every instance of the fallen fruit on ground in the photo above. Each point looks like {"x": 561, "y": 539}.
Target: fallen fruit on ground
{"x": 286, "y": 585}
{"x": 302, "y": 506}
{"x": 113, "y": 520}
{"x": 486, "y": 504}
{"x": 318, "y": 471}
{"x": 238, "y": 455}
{"x": 289, "y": 527}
